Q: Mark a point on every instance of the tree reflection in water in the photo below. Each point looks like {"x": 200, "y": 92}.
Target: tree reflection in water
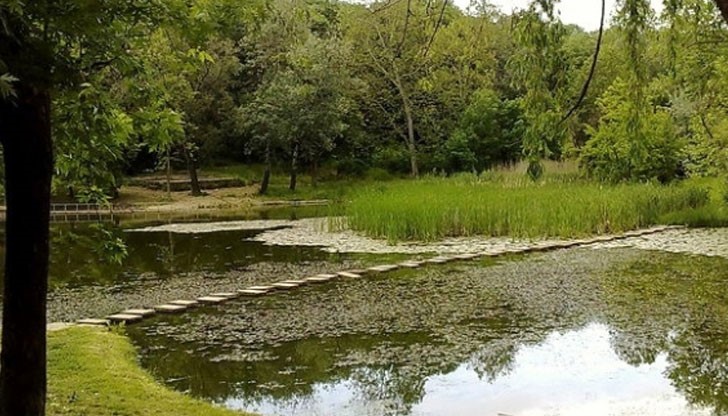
{"x": 377, "y": 343}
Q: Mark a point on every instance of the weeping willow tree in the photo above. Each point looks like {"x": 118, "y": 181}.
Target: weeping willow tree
{"x": 538, "y": 71}
{"x": 539, "y": 74}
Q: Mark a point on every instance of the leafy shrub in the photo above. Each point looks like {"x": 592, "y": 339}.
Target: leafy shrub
{"x": 631, "y": 143}
{"x": 351, "y": 167}
{"x": 489, "y": 133}
{"x": 378, "y": 174}
{"x": 393, "y": 159}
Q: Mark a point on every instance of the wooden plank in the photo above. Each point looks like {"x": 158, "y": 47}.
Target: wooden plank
{"x": 141, "y": 312}
{"x": 169, "y": 308}
{"x": 285, "y": 286}
{"x": 266, "y": 288}
{"x": 248, "y": 292}
{"x": 327, "y": 275}
{"x": 298, "y": 282}
{"x": 349, "y": 275}
{"x": 468, "y": 256}
{"x": 124, "y": 318}
{"x": 318, "y": 279}
{"x": 211, "y": 300}
{"x": 185, "y": 303}
{"x": 226, "y": 295}
{"x": 383, "y": 268}
{"x": 93, "y": 321}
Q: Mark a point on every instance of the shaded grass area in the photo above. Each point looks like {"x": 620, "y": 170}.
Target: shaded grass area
{"x": 712, "y": 214}
{"x": 565, "y": 206}
{"x": 327, "y": 186}
{"x": 94, "y": 372}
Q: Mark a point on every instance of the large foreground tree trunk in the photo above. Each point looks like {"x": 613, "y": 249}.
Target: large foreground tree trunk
{"x": 25, "y": 133}
{"x": 192, "y": 169}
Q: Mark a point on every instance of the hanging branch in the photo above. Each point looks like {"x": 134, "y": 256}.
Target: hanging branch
{"x": 593, "y": 69}
{"x": 437, "y": 28}
{"x": 385, "y": 6}
{"x": 398, "y": 53}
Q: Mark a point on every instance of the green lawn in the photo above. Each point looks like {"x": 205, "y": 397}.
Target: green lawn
{"x": 94, "y": 372}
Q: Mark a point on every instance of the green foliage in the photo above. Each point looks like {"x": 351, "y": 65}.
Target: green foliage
{"x": 489, "y": 133}
{"x": 404, "y": 86}
{"x": 456, "y": 154}
{"x": 539, "y": 73}
{"x": 303, "y": 104}
{"x": 432, "y": 209}
{"x": 619, "y": 152}
{"x": 91, "y": 132}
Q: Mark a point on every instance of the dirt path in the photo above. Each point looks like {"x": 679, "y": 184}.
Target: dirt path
{"x": 182, "y": 201}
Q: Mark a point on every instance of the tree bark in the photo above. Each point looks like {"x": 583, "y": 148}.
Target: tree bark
{"x": 723, "y": 6}
{"x": 192, "y": 169}
{"x": 409, "y": 118}
{"x": 266, "y": 174}
{"x": 411, "y": 147}
{"x": 294, "y": 168}
{"x": 26, "y": 139}
{"x": 169, "y": 175}
{"x": 314, "y": 172}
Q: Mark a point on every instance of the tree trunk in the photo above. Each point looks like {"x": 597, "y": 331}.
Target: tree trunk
{"x": 314, "y": 172}
{"x": 27, "y": 149}
{"x": 192, "y": 169}
{"x": 294, "y": 169}
{"x": 411, "y": 147}
{"x": 169, "y": 175}
{"x": 723, "y": 6}
{"x": 266, "y": 174}
{"x": 407, "y": 107}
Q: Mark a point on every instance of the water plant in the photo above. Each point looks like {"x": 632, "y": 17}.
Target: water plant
{"x": 435, "y": 208}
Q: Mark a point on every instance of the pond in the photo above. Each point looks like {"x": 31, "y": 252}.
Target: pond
{"x": 88, "y": 280}
{"x": 608, "y": 331}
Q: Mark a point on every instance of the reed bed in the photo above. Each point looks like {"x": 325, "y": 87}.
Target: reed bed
{"x": 435, "y": 208}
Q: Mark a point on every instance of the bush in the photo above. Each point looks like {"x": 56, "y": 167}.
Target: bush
{"x": 378, "y": 174}
{"x": 351, "y": 167}
{"x": 631, "y": 143}
{"x": 393, "y": 159}
{"x": 489, "y": 133}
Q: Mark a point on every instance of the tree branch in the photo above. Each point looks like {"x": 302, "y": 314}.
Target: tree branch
{"x": 437, "y": 28}
{"x": 593, "y": 69}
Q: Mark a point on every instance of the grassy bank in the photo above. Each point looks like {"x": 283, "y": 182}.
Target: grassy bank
{"x": 94, "y": 372}
{"x": 434, "y": 208}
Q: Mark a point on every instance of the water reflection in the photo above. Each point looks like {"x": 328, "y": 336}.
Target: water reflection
{"x": 579, "y": 332}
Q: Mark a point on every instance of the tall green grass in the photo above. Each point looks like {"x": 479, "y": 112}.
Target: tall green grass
{"x": 434, "y": 208}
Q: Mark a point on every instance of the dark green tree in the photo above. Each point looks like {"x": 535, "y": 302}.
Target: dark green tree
{"x": 45, "y": 47}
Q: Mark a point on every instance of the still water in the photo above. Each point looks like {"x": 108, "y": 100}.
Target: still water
{"x": 572, "y": 332}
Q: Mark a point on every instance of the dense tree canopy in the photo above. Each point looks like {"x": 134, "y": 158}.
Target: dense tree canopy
{"x": 410, "y": 86}
{"x": 406, "y": 86}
